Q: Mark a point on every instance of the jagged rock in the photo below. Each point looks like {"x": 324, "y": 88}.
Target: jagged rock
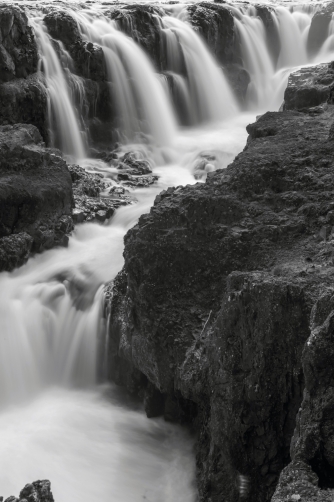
{"x": 24, "y": 101}
{"x": 227, "y": 348}
{"x": 89, "y": 202}
{"x": 311, "y": 472}
{"x": 18, "y": 50}
{"x": 39, "y": 491}
{"x": 22, "y": 93}
{"x": 310, "y": 87}
{"x": 215, "y": 23}
{"x": 88, "y": 57}
{"x": 35, "y": 196}
{"x": 141, "y": 22}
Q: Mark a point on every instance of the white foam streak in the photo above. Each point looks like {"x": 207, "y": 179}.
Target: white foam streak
{"x": 66, "y": 134}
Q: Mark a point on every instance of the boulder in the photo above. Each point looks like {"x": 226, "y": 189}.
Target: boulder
{"x": 18, "y": 49}
{"x": 310, "y": 87}
{"x": 35, "y": 195}
{"x": 24, "y": 101}
{"x": 214, "y": 303}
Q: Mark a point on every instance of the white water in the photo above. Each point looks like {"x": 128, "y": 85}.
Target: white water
{"x": 55, "y": 421}
{"x": 269, "y": 75}
{"x": 64, "y": 124}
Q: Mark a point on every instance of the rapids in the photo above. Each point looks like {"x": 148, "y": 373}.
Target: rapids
{"x": 56, "y": 420}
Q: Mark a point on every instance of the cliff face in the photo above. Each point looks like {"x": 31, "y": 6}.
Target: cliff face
{"x": 211, "y": 314}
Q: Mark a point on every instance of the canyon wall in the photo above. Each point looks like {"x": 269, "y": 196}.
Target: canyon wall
{"x": 213, "y": 320}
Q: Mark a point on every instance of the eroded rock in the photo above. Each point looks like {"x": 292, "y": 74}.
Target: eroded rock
{"x": 18, "y": 50}
{"x": 38, "y": 491}
{"x": 310, "y": 87}
{"x": 226, "y": 349}
{"x": 35, "y": 196}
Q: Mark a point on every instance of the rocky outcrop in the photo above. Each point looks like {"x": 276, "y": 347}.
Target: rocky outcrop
{"x": 22, "y": 93}
{"x": 311, "y": 472}
{"x": 210, "y": 316}
{"x": 39, "y": 491}
{"x": 215, "y": 23}
{"x": 18, "y": 51}
{"x": 142, "y": 23}
{"x": 35, "y": 196}
{"x": 309, "y": 87}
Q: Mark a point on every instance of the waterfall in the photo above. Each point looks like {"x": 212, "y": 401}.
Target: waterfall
{"x": 51, "y": 310}
{"x": 63, "y": 119}
{"x": 207, "y": 95}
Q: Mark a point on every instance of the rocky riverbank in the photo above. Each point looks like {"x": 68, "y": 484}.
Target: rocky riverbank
{"x": 222, "y": 314}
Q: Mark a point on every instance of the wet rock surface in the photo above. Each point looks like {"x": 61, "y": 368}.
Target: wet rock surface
{"x": 310, "y": 87}
{"x": 35, "y": 196}
{"x": 94, "y": 197}
{"x": 18, "y": 50}
{"x": 23, "y": 96}
{"x": 216, "y": 303}
{"x": 38, "y": 491}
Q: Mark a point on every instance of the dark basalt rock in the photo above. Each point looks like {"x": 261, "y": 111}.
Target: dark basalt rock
{"x": 39, "y": 491}
{"x": 18, "y": 50}
{"x": 90, "y": 204}
{"x": 311, "y": 473}
{"x": 319, "y": 28}
{"x": 215, "y": 23}
{"x": 141, "y": 22}
{"x": 24, "y": 101}
{"x": 309, "y": 87}
{"x": 35, "y": 196}
{"x": 225, "y": 346}
{"x": 22, "y": 93}
{"x": 88, "y": 58}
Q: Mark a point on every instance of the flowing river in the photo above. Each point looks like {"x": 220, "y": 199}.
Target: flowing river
{"x": 56, "y": 421}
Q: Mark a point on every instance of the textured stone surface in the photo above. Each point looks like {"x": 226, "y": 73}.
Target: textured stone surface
{"x": 224, "y": 349}
{"x": 18, "y": 50}
{"x": 35, "y": 195}
{"x": 38, "y": 491}
{"x": 24, "y": 101}
{"x": 309, "y": 87}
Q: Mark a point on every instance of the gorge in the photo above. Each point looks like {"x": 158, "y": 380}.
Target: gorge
{"x": 127, "y": 122}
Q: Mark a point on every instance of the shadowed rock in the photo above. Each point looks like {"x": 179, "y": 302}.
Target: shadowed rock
{"x": 35, "y": 196}
{"x": 38, "y": 491}
{"x": 226, "y": 346}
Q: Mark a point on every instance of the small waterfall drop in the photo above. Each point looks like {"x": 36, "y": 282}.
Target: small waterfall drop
{"x": 141, "y": 102}
{"x": 51, "y": 313}
{"x": 64, "y": 124}
{"x": 269, "y": 72}
{"x": 209, "y": 97}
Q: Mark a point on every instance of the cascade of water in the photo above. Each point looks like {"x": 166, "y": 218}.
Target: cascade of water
{"x": 209, "y": 97}
{"x": 267, "y": 71}
{"x": 142, "y": 104}
{"x": 292, "y": 26}
{"x": 64, "y": 124}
